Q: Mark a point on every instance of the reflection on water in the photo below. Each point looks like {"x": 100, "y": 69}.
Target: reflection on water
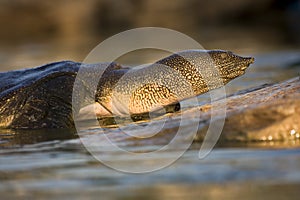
{"x": 18, "y": 138}
{"x": 64, "y": 169}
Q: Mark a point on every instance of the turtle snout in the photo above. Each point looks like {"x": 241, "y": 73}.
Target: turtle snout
{"x": 246, "y": 61}
{"x": 250, "y": 60}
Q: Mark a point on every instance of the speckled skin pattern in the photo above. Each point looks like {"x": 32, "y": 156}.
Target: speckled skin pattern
{"x": 171, "y": 80}
{"x": 42, "y": 97}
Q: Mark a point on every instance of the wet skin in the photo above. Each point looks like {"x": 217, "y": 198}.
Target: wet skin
{"x": 42, "y": 97}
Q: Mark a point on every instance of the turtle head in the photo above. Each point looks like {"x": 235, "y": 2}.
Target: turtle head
{"x": 229, "y": 64}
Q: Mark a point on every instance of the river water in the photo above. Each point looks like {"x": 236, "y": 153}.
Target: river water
{"x": 54, "y": 164}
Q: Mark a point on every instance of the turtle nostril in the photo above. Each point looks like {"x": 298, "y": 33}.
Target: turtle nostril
{"x": 249, "y": 60}
{"x": 223, "y": 55}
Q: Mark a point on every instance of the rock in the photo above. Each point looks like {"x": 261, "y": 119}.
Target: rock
{"x": 268, "y": 113}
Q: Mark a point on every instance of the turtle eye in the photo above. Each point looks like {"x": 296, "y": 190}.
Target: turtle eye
{"x": 223, "y": 55}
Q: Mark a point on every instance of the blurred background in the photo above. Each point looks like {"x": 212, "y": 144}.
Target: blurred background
{"x": 35, "y": 32}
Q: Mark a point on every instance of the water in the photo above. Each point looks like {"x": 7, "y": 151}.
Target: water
{"x": 54, "y": 164}
{"x": 63, "y": 169}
